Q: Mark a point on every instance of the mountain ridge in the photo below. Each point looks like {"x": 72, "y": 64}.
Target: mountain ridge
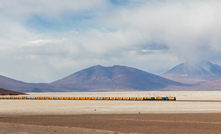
{"x": 96, "y": 78}
{"x": 114, "y": 77}
{"x": 124, "y": 78}
{"x": 195, "y": 72}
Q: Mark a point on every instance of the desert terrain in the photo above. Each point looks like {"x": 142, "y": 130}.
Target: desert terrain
{"x": 193, "y": 112}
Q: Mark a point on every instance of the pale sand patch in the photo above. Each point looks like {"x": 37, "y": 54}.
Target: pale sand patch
{"x": 211, "y": 103}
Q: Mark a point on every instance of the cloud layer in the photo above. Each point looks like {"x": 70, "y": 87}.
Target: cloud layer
{"x": 42, "y": 41}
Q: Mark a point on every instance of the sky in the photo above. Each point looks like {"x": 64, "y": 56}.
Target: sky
{"x": 46, "y": 40}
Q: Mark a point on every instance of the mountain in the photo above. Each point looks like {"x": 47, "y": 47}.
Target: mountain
{"x": 194, "y": 72}
{"x": 115, "y": 78}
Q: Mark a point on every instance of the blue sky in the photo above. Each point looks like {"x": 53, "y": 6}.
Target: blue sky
{"x": 45, "y": 40}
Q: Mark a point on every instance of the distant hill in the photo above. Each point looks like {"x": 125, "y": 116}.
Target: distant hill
{"x": 194, "y": 72}
{"x": 9, "y": 92}
{"x": 15, "y": 85}
{"x": 115, "y": 78}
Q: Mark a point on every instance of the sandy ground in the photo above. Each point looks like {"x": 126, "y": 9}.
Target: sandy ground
{"x": 193, "y": 112}
{"x": 113, "y": 124}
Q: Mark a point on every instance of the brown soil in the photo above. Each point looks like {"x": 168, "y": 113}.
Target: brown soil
{"x": 9, "y": 92}
{"x": 113, "y": 123}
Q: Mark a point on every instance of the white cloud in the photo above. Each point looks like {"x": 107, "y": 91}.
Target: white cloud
{"x": 41, "y": 42}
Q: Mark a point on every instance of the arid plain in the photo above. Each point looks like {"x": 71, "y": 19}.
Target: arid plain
{"x": 193, "y": 112}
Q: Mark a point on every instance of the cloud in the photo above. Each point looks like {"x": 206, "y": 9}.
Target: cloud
{"x": 187, "y": 28}
{"x": 41, "y": 42}
{"x": 56, "y": 38}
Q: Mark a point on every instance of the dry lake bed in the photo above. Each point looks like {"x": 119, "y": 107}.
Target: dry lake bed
{"x": 193, "y": 112}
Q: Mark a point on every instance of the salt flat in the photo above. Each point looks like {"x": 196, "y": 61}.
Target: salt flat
{"x": 187, "y": 102}
{"x": 180, "y": 95}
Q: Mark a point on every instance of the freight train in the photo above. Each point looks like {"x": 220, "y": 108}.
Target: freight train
{"x": 90, "y": 98}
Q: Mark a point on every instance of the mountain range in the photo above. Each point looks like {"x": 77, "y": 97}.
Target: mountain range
{"x": 200, "y": 75}
{"x": 115, "y": 78}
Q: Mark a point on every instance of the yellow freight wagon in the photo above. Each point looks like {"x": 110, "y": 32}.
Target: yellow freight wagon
{"x": 93, "y": 98}
{"x": 112, "y": 98}
{"x": 49, "y": 98}
{"x": 71, "y": 98}
{"x": 118, "y": 98}
{"x": 126, "y": 98}
{"x": 60, "y": 98}
{"x": 139, "y": 98}
{"x": 133, "y": 98}
{"x": 106, "y": 98}
{"x": 88, "y": 98}
{"x": 65, "y": 98}
{"x": 76, "y": 98}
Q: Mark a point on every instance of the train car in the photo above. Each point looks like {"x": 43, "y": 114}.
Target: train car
{"x": 65, "y": 98}
{"x": 76, "y": 98}
{"x": 49, "y": 98}
{"x": 126, "y": 98}
{"x": 88, "y": 98}
{"x": 112, "y": 98}
{"x": 118, "y": 98}
{"x": 171, "y": 98}
{"x": 82, "y": 98}
{"x": 148, "y": 98}
{"x": 160, "y": 98}
{"x": 100, "y": 98}
{"x": 56, "y": 98}
{"x": 31, "y": 98}
{"x": 42, "y": 98}
{"x": 133, "y": 98}
{"x": 106, "y": 98}
{"x": 94, "y": 98}
{"x": 139, "y": 98}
